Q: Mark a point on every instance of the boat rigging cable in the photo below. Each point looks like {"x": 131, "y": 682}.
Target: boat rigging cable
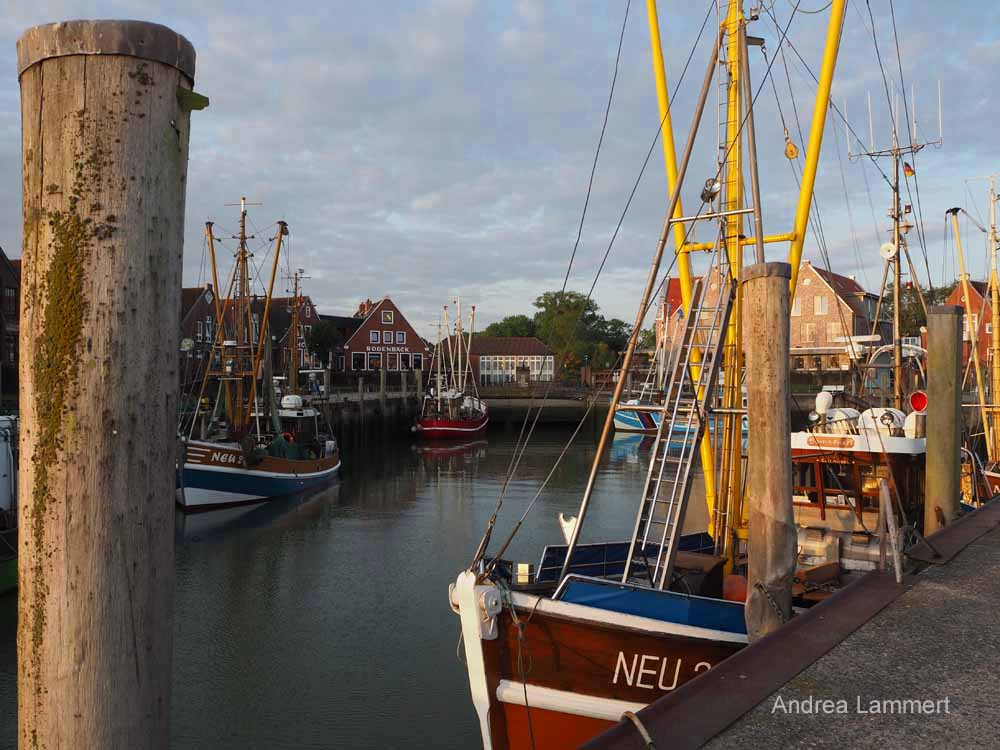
{"x": 481, "y": 550}
{"x": 520, "y": 447}
{"x": 888, "y": 96}
{"x": 815, "y": 213}
{"x": 597, "y": 151}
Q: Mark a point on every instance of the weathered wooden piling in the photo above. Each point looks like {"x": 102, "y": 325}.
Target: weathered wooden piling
{"x": 942, "y": 488}
{"x": 772, "y": 542}
{"x": 105, "y": 112}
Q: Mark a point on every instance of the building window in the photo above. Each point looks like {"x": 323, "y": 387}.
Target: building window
{"x": 358, "y": 361}
{"x": 418, "y": 361}
{"x": 374, "y": 361}
{"x": 308, "y": 310}
{"x": 9, "y": 300}
{"x": 373, "y": 337}
{"x": 819, "y": 305}
{"x": 809, "y": 332}
{"x": 817, "y": 363}
{"x": 392, "y": 361}
{"x": 401, "y": 337}
{"x": 199, "y": 328}
{"x": 388, "y": 317}
{"x": 796, "y": 308}
{"x": 386, "y": 337}
{"x": 404, "y": 361}
{"x": 834, "y": 331}
{"x": 800, "y": 363}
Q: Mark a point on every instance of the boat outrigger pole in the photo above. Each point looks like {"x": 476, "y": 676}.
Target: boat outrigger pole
{"x": 989, "y": 416}
{"x": 264, "y": 328}
{"x": 647, "y": 293}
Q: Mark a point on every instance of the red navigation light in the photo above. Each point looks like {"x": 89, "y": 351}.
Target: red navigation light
{"x": 918, "y": 401}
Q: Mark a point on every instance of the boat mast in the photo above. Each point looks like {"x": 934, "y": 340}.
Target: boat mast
{"x": 438, "y": 352}
{"x": 468, "y": 347}
{"x": 994, "y": 317}
{"x": 293, "y": 332}
{"x": 460, "y": 373}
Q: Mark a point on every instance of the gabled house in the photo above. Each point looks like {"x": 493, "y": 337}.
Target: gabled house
{"x": 280, "y": 320}
{"x": 197, "y": 333}
{"x": 982, "y": 312}
{"x": 384, "y": 340}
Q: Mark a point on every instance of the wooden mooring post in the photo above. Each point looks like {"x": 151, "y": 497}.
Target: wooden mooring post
{"x": 772, "y": 542}
{"x": 942, "y": 488}
{"x": 105, "y": 114}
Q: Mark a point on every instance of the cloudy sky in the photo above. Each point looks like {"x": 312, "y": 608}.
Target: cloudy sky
{"x": 441, "y": 147}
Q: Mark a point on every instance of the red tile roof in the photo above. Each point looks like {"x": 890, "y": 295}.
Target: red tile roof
{"x": 521, "y": 346}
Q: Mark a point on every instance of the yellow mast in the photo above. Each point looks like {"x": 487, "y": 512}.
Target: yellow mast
{"x": 730, "y": 484}
{"x": 683, "y": 260}
{"x": 988, "y": 421}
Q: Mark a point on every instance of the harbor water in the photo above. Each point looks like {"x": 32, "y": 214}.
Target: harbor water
{"x": 323, "y": 621}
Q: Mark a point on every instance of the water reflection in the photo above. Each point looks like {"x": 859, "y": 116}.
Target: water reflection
{"x": 322, "y": 620}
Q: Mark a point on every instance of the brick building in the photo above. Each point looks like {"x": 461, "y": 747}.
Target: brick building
{"x": 384, "y": 340}
{"x": 280, "y": 320}
{"x": 982, "y": 313}
{"x": 828, "y": 307}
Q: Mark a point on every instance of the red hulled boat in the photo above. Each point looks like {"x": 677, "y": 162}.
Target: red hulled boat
{"x": 452, "y": 408}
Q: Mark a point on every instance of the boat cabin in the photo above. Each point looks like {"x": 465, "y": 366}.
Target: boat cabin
{"x": 838, "y": 465}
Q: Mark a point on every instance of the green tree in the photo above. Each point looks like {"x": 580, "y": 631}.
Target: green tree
{"x": 512, "y": 325}
{"x": 563, "y": 321}
{"x": 322, "y": 339}
{"x": 911, "y": 312}
{"x": 647, "y": 339}
{"x": 615, "y": 333}
{"x": 572, "y": 325}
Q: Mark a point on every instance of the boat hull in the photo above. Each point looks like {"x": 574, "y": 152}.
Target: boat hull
{"x": 214, "y": 476}
{"x": 438, "y": 429}
{"x": 573, "y": 669}
{"x": 992, "y": 479}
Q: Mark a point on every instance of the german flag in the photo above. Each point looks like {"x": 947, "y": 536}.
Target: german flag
{"x": 908, "y": 170}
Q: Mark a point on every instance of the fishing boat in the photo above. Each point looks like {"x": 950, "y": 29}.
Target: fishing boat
{"x": 451, "y": 408}
{"x": 558, "y": 652}
{"x": 249, "y": 446}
